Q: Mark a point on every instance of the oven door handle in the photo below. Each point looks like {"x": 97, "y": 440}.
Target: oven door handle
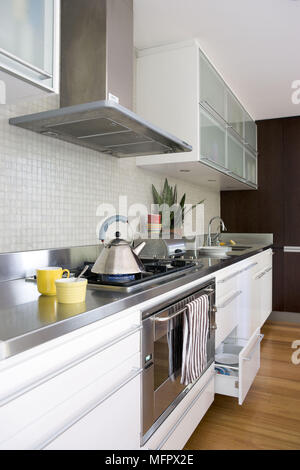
{"x": 208, "y": 292}
{"x": 165, "y": 319}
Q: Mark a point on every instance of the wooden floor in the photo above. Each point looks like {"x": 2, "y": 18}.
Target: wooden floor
{"x": 270, "y": 415}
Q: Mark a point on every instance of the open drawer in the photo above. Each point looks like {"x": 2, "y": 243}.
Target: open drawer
{"x": 239, "y": 377}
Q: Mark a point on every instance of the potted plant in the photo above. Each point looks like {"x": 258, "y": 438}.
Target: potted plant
{"x": 166, "y": 200}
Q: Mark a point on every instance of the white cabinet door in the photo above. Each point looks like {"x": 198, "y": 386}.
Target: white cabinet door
{"x": 28, "y": 39}
{"x": 114, "y": 424}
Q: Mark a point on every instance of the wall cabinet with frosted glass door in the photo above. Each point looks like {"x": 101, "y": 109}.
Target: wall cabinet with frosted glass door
{"x": 29, "y": 47}
{"x": 180, "y": 90}
{"x": 237, "y": 154}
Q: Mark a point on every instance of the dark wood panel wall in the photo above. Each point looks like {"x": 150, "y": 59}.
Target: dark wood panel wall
{"x": 275, "y": 207}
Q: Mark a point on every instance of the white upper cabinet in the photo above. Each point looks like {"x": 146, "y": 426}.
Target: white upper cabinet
{"x": 29, "y": 44}
{"x": 179, "y": 90}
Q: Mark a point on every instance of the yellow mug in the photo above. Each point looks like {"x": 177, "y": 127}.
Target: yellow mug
{"x": 46, "y": 279}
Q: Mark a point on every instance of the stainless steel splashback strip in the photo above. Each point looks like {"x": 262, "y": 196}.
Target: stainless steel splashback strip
{"x": 24, "y": 264}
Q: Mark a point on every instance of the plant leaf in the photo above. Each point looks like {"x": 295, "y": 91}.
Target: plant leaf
{"x": 182, "y": 202}
{"x": 175, "y": 194}
{"x": 165, "y": 192}
{"x": 156, "y": 197}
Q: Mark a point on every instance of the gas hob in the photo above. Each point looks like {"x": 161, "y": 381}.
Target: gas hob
{"x": 156, "y": 270}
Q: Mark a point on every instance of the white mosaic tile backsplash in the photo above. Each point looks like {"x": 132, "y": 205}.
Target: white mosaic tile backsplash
{"x": 50, "y": 190}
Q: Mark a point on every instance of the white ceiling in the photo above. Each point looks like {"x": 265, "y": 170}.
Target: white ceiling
{"x": 254, "y": 44}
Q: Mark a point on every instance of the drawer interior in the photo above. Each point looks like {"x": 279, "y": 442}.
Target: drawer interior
{"x": 231, "y": 345}
{"x": 227, "y": 376}
{"x": 227, "y": 385}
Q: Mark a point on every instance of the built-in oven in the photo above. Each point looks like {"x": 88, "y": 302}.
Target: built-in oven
{"x": 162, "y": 344}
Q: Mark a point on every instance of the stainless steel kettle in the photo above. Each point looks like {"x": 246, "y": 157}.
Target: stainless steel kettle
{"x": 118, "y": 257}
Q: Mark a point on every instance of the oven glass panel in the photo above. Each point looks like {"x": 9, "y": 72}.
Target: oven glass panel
{"x": 168, "y": 351}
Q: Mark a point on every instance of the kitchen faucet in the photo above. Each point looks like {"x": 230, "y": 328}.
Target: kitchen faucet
{"x": 210, "y": 240}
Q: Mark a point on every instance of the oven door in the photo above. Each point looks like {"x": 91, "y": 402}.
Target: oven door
{"x": 162, "y": 356}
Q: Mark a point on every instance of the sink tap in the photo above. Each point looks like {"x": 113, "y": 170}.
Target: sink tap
{"x": 209, "y": 237}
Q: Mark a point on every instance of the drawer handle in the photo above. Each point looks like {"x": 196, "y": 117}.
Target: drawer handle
{"x": 231, "y": 299}
{"x": 184, "y": 414}
{"x": 133, "y": 375}
{"x": 258, "y": 341}
{"x": 291, "y": 249}
{"x": 222, "y": 281}
{"x": 259, "y": 276}
{"x": 71, "y": 364}
{"x": 263, "y": 273}
{"x": 250, "y": 266}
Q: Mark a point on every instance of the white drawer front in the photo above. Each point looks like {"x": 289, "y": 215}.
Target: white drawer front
{"x": 249, "y": 365}
{"x": 106, "y": 367}
{"x": 238, "y": 385}
{"x": 18, "y": 376}
{"x": 112, "y": 425}
{"x": 191, "y": 418}
{"x": 183, "y": 420}
{"x": 263, "y": 260}
{"x": 227, "y": 281}
{"x": 227, "y": 315}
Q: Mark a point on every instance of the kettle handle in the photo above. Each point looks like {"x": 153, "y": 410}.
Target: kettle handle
{"x": 108, "y": 222}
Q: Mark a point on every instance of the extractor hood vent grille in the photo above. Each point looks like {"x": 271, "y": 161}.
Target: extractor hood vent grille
{"x": 103, "y": 126}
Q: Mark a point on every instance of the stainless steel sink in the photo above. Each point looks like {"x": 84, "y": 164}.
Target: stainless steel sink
{"x": 214, "y": 251}
{"x": 240, "y": 248}
{"x": 200, "y": 255}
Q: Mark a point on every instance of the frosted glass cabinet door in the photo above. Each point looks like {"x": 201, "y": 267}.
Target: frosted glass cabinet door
{"x": 250, "y": 167}
{"x": 235, "y": 156}
{"x": 212, "y": 140}
{"x": 250, "y": 132}
{"x": 212, "y": 88}
{"x": 235, "y": 114}
{"x": 27, "y": 38}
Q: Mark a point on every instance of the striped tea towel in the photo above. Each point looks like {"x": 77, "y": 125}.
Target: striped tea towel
{"x": 195, "y": 335}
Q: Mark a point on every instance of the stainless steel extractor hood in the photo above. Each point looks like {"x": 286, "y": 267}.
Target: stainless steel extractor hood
{"x": 97, "y": 85}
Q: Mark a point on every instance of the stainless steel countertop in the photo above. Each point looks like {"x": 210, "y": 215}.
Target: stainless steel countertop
{"x": 28, "y": 319}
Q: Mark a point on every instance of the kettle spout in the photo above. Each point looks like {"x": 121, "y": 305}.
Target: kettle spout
{"x": 139, "y": 248}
